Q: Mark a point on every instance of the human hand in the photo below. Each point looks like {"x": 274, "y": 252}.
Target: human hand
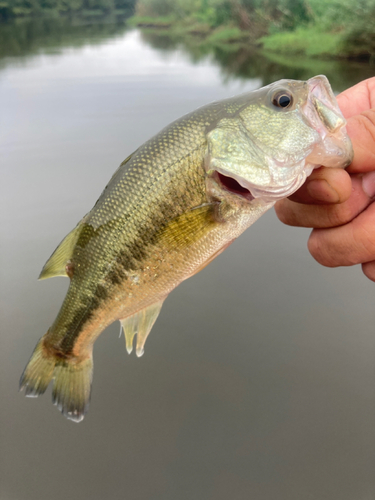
{"x": 340, "y": 204}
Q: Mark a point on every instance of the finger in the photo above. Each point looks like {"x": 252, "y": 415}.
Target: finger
{"x": 368, "y": 269}
{"x": 346, "y": 245}
{"x": 324, "y": 216}
{"x": 324, "y": 186}
{"x": 368, "y": 184}
{"x": 357, "y": 99}
{"x": 361, "y": 130}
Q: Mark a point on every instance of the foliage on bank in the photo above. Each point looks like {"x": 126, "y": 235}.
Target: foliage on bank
{"x": 10, "y": 9}
{"x": 328, "y": 28}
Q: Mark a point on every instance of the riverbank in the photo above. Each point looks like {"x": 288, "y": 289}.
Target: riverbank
{"x": 307, "y": 41}
{"x": 11, "y": 10}
{"x": 310, "y": 28}
{"x": 288, "y": 28}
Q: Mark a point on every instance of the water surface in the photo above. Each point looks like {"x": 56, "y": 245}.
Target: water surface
{"x": 257, "y": 379}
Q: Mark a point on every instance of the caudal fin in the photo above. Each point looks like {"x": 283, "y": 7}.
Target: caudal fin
{"x": 72, "y": 380}
{"x": 38, "y": 372}
{"x": 72, "y": 387}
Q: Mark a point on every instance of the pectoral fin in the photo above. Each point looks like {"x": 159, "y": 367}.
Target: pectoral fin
{"x": 140, "y": 323}
{"x": 187, "y": 228}
{"x": 58, "y": 263}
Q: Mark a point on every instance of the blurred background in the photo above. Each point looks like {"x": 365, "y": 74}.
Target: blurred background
{"x": 258, "y": 378}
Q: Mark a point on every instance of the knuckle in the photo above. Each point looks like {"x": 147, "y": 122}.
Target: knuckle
{"x": 284, "y": 213}
{"x": 366, "y": 122}
{"x": 368, "y": 270}
{"x": 318, "y": 249}
{"x": 365, "y": 239}
{"x": 339, "y": 215}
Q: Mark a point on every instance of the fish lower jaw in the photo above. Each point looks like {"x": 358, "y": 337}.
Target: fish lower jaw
{"x": 276, "y": 193}
{"x": 335, "y": 152}
{"x": 267, "y": 193}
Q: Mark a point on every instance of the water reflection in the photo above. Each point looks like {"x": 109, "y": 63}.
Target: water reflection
{"x": 24, "y": 37}
{"x": 241, "y": 61}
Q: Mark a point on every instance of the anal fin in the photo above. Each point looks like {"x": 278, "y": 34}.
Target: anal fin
{"x": 140, "y": 323}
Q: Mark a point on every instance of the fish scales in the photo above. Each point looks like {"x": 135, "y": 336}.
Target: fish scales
{"x": 169, "y": 209}
{"x": 125, "y": 220}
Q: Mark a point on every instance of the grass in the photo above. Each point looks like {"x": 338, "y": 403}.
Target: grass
{"x": 152, "y": 22}
{"x": 307, "y": 41}
{"x": 227, "y": 34}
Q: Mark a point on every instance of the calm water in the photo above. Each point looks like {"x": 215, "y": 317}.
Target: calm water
{"x": 258, "y": 377}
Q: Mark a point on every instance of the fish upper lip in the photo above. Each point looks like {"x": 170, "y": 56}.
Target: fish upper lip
{"x": 324, "y": 115}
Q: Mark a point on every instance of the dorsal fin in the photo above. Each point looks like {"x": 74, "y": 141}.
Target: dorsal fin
{"x": 140, "y": 323}
{"x": 56, "y": 265}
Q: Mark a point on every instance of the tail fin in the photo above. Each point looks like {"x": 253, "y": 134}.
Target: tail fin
{"x": 72, "y": 380}
{"x": 72, "y": 387}
{"x": 38, "y": 372}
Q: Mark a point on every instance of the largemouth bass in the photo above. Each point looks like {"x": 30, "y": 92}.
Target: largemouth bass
{"x": 171, "y": 207}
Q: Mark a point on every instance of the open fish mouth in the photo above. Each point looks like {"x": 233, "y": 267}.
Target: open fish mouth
{"x": 249, "y": 192}
{"x": 232, "y": 185}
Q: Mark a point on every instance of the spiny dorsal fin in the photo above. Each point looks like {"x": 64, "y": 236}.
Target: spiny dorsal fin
{"x": 140, "y": 323}
{"x": 56, "y": 265}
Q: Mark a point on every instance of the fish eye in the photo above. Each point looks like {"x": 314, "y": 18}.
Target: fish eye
{"x": 282, "y": 99}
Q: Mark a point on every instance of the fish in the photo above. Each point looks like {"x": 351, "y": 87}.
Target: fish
{"x": 169, "y": 209}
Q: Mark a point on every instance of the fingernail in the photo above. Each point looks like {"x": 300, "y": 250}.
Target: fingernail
{"x": 368, "y": 184}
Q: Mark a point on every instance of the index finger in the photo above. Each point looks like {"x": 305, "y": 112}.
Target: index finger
{"x": 361, "y": 130}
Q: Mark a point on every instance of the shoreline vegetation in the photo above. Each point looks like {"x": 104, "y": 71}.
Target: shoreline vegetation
{"x": 329, "y": 29}
{"x": 13, "y": 10}
{"x": 324, "y": 29}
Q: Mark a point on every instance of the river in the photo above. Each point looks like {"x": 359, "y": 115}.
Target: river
{"x": 257, "y": 380}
